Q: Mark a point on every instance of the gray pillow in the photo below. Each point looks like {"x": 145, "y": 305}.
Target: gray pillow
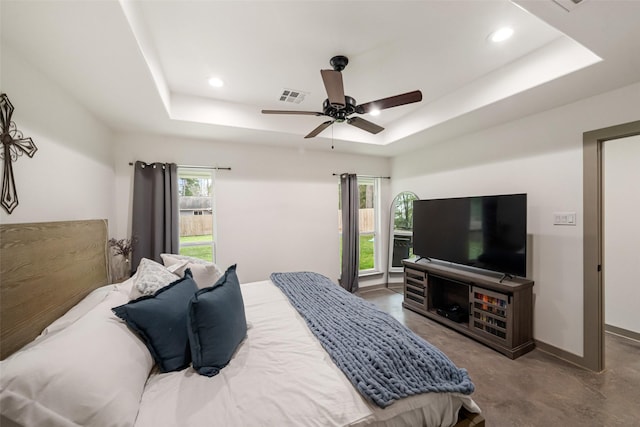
{"x": 217, "y": 324}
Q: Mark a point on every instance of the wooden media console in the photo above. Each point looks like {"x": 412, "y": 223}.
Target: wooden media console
{"x": 496, "y": 312}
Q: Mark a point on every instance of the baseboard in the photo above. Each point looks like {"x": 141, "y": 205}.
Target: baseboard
{"x": 376, "y": 287}
{"x": 561, "y": 354}
{"x": 622, "y": 332}
{"x": 578, "y": 360}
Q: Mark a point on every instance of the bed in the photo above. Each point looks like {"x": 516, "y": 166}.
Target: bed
{"x": 68, "y": 360}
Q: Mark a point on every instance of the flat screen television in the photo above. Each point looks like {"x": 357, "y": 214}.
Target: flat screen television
{"x": 487, "y": 232}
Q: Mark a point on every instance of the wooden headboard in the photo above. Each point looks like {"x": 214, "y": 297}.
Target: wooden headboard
{"x": 45, "y": 269}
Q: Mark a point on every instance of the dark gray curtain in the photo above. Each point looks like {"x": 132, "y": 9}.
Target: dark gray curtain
{"x": 155, "y": 220}
{"x": 350, "y": 232}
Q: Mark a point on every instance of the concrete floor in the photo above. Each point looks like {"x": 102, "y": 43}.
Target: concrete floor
{"x": 536, "y": 389}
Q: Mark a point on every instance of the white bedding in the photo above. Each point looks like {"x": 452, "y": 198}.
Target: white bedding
{"x": 89, "y": 369}
{"x": 280, "y": 376}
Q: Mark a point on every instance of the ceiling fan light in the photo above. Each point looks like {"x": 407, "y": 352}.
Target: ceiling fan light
{"x": 501, "y": 35}
{"x": 375, "y": 112}
{"x": 215, "y": 82}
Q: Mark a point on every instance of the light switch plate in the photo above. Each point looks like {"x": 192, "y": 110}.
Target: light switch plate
{"x": 564, "y": 218}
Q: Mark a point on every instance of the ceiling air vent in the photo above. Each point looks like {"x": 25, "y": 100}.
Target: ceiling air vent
{"x": 568, "y": 5}
{"x": 292, "y": 95}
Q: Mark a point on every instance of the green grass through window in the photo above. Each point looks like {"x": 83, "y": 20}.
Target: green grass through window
{"x": 366, "y": 251}
{"x": 204, "y": 252}
{"x": 192, "y": 239}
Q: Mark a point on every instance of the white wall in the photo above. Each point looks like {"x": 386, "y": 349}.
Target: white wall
{"x": 71, "y": 176}
{"x": 540, "y": 155}
{"x": 276, "y": 209}
{"x": 621, "y": 183}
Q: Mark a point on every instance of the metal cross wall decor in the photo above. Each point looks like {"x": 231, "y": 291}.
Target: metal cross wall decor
{"x": 13, "y": 145}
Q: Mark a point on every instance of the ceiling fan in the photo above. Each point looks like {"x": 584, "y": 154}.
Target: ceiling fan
{"x": 339, "y": 106}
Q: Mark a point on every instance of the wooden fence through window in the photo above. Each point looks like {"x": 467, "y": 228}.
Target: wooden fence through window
{"x": 366, "y": 220}
{"x": 196, "y": 225}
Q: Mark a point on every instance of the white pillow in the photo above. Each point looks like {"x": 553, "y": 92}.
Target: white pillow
{"x": 175, "y": 267}
{"x": 150, "y": 277}
{"x": 204, "y": 273}
{"x": 91, "y": 373}
{"x": 94, "y": 298}
{"x": 126, "y": 285}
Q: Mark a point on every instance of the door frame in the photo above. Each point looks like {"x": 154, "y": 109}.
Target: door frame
{"x": 593, "y": 323}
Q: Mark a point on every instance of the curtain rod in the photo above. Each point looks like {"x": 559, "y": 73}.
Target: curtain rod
{"x": 366, "y": 176}
{"x": 192, "y": 167}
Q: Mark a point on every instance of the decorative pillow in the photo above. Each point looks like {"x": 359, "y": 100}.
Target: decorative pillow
{"x": 91, "y": 373}
{"x": 150, "y": 277}
{"x": 217, "y": 324}
{"x": 160, "y": 320}
{"x": 178, "y": 266}
{"x": 205, "y": 273}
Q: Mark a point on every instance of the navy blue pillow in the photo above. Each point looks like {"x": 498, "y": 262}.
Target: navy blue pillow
{"x": 217, "y": 324}
{"x": 161, "y": 322}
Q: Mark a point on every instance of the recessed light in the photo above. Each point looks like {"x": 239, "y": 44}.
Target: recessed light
{"x": 374, "y": 112}
{"x": 501, "y": 35}
{"x": 216, "y": 82}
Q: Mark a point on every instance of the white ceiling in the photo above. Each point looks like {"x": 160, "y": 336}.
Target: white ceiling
{"x": 143, "y": 66}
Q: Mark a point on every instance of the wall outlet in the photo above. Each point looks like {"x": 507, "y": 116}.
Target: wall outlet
{"x": 564, "y": 218}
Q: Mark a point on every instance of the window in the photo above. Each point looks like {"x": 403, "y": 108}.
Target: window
{"x": 402, "y": 210}
{"x": 195, "y": 190}
{"x": 368, "y": 223}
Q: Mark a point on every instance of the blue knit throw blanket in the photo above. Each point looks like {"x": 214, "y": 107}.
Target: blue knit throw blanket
{"x": 383, "y": 359}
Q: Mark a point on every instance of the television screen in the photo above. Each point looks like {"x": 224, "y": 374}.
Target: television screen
{"x": 488, "y": 232}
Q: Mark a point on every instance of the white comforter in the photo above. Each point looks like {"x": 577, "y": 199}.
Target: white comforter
{"x": 280, "y": 376}
{"x": 87, "y": 368}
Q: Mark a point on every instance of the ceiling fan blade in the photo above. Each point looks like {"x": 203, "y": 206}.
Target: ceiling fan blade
{"x": 304, "y": 113}
{"x": 320, "y": 128}
{"x": 335, "y": 89}
{"x": 365, "y": 125}
{"x": 392, "y": 101}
